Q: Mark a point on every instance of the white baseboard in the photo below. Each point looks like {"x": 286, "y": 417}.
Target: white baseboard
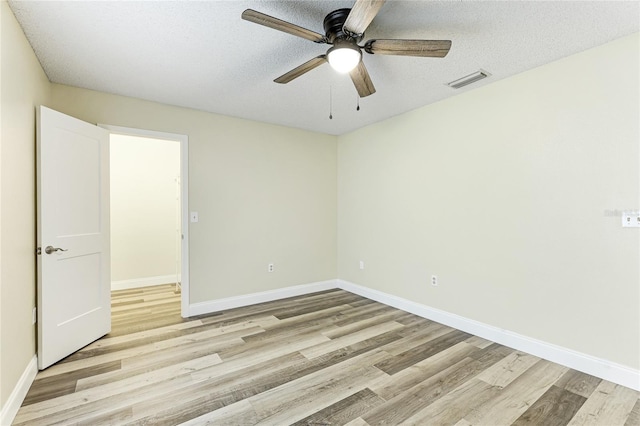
{"x": 11, "y": 407}
{"x": 143, "y": 282}
{"x": 202, "y": 308}
{"x": 598, "y": 367}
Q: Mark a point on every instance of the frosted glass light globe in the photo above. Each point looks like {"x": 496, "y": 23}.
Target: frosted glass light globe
{"x": 343, "y": 59}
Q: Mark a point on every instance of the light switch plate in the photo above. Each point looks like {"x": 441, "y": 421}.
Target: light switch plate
{"x": 194, "y": 217}
{"x": 630, "y": 219}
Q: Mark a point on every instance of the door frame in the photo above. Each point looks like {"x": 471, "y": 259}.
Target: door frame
{"x": 184, "y": 199}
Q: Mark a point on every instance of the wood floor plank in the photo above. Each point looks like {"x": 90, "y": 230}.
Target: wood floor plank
{"x": 341, "y": 331}
{"x": 345, "y": 410}
{"x": 357, "y": 310}
{"x": 197, "y": 333}
{"x": 357, "y": 422}
{"x": 255, "y": 351}
{"x": 166, "y": 330}
{"x": 238, "y": 413}
{"x": 609, "y": 404}
{"x": 275, "y": 372}
{"x": 295, "y": 306}
{"x": 261, "y": 310}
{"x": 214, "y": 391}
{"x": 492, "y": 353}
{"x": 299, "y": 398}
{"x": 634, "y": 416}
{"x": 364, "y": 313}
{"x": 143, "y": 324}
{"x": 508, "y": 369}
{"x": 314, "y": 321}
{"x": 478, "y": 342}
{"x": 520, "y": 394}
{"x": 421, "y": 371}
{"x": 55, "y": 386}
{"x": 412, "y": 319}
{"x": 579, "y": 383}
{"x": 421, "y": 352}
{"x": 252, "y": 359}
{"x": 120, "y": 294}
{"x": 157, "y": 361}
{"x": 94, "y": 394}
{"x": 406, "y": 404}
{"x": 213, "y": 400}
{"x": 231, "y": 333}
{"x": 417, "y": 335}
{"x": 113, "y": 405}
{"x": 116, "y": 417}
{"x": 556, "y": 407}
{"x": 130, "y": 303}
{"x": 330, "y": 357}
{"x": 349, "y": 339}
{"x": 327, "y": 393}
{"x": 453, "y": 406}
{"x": 326, "y": 316}
{"x": 307, "y": 307}
{"x": 160, "y": 311}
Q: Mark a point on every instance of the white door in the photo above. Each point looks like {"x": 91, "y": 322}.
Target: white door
{"x": 74, "y": 301}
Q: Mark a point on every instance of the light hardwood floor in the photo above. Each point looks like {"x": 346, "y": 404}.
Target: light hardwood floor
{"x": 327, "y": 358}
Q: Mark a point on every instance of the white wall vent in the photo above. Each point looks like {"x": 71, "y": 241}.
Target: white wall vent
{"x": 468, "y": 79}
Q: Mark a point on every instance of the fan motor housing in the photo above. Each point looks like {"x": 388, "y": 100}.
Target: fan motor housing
{"x": 333, "y": 24}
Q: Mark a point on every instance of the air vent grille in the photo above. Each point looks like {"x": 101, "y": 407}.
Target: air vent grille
{"x": 468, "y": 79}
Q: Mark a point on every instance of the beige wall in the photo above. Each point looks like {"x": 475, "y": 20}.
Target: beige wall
{"x": 144, "y": 207}
{"x": 264, "y": 193}
{"x": 503, "y": 193}
{"x": 23, "y": 86}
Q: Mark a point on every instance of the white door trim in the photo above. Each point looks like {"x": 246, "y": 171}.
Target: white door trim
{"x": 184, "y": 196}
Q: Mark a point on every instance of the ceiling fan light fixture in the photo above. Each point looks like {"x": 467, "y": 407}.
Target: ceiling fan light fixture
{"x": 344, "y": 57}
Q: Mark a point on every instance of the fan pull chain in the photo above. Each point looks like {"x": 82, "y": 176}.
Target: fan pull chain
{"x": 330, "y": 104}
{"x": 358, "y": 107}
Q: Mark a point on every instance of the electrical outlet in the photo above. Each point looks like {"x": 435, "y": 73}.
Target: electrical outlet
{"x": 362, "y": 264}
{"x": 434, "y": 280}
{"x": 270, "y": 267}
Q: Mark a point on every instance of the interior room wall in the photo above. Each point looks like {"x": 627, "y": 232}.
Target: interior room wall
{"x": 510, "y": 194}
{"x": 264, "y": 193}
{"x": 23, "y": 86}
{"x": 144, "y": 211}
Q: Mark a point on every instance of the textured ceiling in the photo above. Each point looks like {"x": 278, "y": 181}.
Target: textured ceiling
{"x": 201, "y": 54}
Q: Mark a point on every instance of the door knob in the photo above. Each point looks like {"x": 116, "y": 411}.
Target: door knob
{"x": 50, "y": 249}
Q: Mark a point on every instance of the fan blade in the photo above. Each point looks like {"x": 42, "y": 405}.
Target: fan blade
{"x": 362, "y": 81}
{"x": 361, "y": 15}
{"x": 304, "y": 68}
{"x": 280, "y": 25}
{"x": 425, "y": 48}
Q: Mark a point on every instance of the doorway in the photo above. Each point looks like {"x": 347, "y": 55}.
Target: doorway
{"x": 149, "y": 226}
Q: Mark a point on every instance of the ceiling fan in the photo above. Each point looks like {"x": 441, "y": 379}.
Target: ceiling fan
{"x": 344, "y": 29}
